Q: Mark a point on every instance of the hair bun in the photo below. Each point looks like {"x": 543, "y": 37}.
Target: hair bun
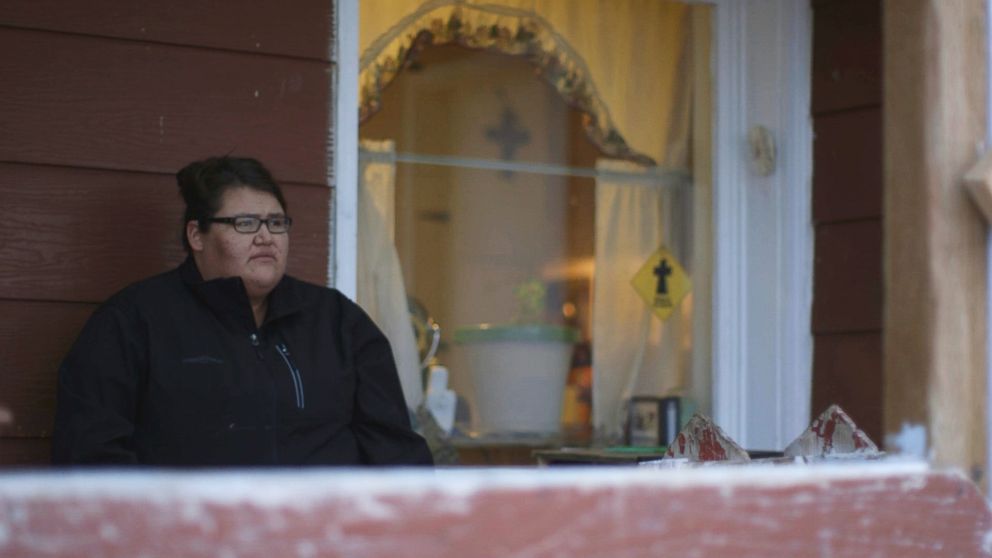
{"x": 190, "y": 180}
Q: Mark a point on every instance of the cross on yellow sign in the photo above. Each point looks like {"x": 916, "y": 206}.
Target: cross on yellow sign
{"x": 662, "y": 283}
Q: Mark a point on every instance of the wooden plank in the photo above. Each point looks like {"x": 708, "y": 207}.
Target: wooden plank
{"x": 935, "y": 238}
{"x": 81, "y": 235}
{"x": 847, "y": 370}
{"x": 879, "y": 510}
{"x": 847, "y": 156}
{"x": 21, "y": 452}
{"x": 847, "y": 54}
{"x": 92, "y": 102}
{"x": 848, "y": 270}
{"x": 34, "y": 338}
{"x": 302, "y": 28}
{"x": 309, "y": 252}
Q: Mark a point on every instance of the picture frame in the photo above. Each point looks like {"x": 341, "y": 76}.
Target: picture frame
{"x": 653, "y": 421}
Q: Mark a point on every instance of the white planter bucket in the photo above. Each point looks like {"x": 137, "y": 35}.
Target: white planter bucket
{"x": 518, "y": 373}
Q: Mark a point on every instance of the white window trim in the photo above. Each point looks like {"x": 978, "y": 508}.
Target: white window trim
{"x": 343, "y": 139}
{"x": 762, "y": 345}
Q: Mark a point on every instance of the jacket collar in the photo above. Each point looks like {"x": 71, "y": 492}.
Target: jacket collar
{"x": 227, "y": 296}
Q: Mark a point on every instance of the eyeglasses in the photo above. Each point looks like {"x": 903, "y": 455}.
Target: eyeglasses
{"x": 249, "y": 224}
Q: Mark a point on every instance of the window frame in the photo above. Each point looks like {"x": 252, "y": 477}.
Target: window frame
{"x": 761, "y": 348}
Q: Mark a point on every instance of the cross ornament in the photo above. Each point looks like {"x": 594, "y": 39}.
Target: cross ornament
{"x": 509, "y": 135}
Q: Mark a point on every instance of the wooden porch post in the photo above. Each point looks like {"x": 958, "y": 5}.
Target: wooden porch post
{"x": 934, "y": 237}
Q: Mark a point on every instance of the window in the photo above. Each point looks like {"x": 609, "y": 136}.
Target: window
{"x": 496, "y": 190}
{"x": 760, "y": 234}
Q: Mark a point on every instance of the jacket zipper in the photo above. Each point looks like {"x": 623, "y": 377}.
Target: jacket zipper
{"x": 255, "y": 343}
{"x": 294, "y": 372}
{"x": 253, "y": 337}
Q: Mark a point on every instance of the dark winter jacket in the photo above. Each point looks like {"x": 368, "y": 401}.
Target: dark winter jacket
{"x": 173, "y": 371}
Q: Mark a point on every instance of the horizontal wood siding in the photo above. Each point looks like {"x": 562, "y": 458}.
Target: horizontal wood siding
{"x": 848, "y": 176}
{"x": 847, "y": 209}
{"x": 851, "y": 361}
{"x": 34, "y": 336}
{"x": 300, "y": 29}
{"x": 102, "y": 103}
{"x": 847, "y": 54}
{"x": 848, "y": 271}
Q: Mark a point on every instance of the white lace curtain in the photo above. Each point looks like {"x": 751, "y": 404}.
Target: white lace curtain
{"x": 380, "y": 289}
{"x": 634, "y": 352}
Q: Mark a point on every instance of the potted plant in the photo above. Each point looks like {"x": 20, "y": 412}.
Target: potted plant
{"x": 519, "y": 369}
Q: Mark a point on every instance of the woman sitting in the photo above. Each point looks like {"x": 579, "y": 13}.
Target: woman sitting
{"x": 227, "y": 360}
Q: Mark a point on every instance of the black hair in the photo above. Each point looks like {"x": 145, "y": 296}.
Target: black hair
{"x": 203, "y": 183}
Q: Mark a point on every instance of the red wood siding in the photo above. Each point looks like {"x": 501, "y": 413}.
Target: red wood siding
{"x": 856, "y": 386}
{"x": 105, "y": 103}
{"x": 847, "y": 54}
{"x": 846, "y": 161}
{"x": 256, "y": 27}
{"x": 33, "y": 338}
{"x": 848, "y": 273}
{"x": 847, "y": 210}
{"x": 102, "y": 103}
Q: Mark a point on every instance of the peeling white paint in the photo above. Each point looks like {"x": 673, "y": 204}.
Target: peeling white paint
{"x": 109, "y": 532}
{"x": 911, "y": 441}
{"x": 257, "y": 93}
{"x": 825, "y": 536}
{"x": 306, "y": 549}
{"x": 987, "y": 542}
{"x": 460, "y": 506}
{"x": 247, "y": 534}
{"x": 276, "y": 522}
{"x": 18, "y": 515}
{"x": 73, "y": 515}
{"x": 194, "y": 513}
{"x": 914, "y": 483}
{"x": 803, "y": 498}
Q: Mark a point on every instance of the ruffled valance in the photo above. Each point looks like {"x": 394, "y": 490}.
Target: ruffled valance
{"x": 622, "y": 64}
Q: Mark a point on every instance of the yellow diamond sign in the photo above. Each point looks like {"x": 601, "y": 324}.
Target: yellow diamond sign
{"x": 662, "y": 283}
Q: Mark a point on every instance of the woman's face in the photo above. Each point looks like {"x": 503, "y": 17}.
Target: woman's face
{"x": 258, "y": 258}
